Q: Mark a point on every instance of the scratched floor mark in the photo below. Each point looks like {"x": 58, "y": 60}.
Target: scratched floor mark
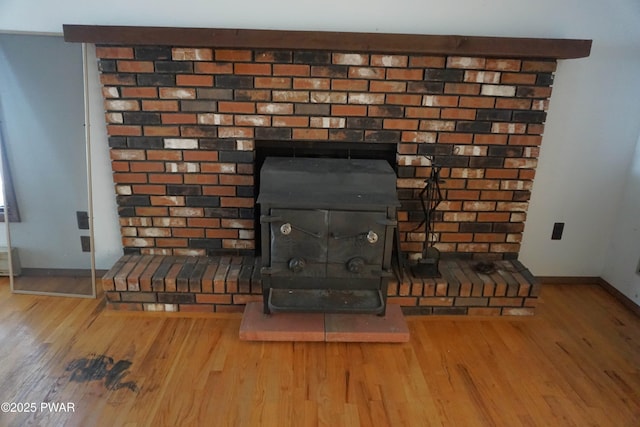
{"x": 101, "y": 367}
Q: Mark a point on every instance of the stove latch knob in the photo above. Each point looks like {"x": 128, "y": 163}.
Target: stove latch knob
{"x": 285, "y": 228}
{"x": 355, "y": 265}
{"x": 372, "y": 237}
{"x": 297, "y": 264}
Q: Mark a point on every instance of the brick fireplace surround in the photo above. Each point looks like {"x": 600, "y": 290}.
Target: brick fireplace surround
{"x": 187, "y": 108}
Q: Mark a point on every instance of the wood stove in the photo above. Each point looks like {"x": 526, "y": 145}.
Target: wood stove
{"x": 327, "y": 228}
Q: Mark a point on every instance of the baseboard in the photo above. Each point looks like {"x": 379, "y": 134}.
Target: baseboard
{"x": 569, "y": 280}
{"x": 625, "y": 300}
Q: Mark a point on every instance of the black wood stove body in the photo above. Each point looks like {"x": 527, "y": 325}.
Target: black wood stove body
{"x": 327, "y": 229}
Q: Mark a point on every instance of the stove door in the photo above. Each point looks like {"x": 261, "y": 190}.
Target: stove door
{"x": 356, "y": 243}
{"x": 299, "y": 242}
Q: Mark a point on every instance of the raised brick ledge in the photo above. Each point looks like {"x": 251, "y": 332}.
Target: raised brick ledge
{"x": 228, "y": 283}
{"x": 180, "y": 283}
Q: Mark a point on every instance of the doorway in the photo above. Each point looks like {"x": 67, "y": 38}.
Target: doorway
{"x": 42, "y": 115}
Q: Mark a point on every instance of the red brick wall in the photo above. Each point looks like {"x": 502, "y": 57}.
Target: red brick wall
{"x": 183, "y": 122}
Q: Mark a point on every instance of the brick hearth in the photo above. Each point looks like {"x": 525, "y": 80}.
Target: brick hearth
{"x": 222, "y": 284}
{"x": 187, "y": 108}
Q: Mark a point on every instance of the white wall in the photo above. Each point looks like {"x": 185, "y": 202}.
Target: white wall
{"x": 623, "y": 258}
{"x": 544, "y": 18}
{"x": 592, "y": 126}
{"x": 3, "y": 228}
{"x": 586, "y": 152}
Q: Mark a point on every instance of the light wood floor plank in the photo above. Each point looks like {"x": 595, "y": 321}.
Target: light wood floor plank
{"x": 575, "y": 363}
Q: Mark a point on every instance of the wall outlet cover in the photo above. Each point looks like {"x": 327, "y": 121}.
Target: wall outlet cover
{"x": 85, "y": 242}
{"x": 558, "y": 228}
{"x": 83, "y": 220}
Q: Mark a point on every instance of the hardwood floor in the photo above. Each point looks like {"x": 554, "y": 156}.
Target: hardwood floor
{"x": 575, "y": 363}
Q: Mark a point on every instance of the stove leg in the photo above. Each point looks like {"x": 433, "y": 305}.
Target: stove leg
{"x": 265, "y": 302}
{"x": 384, "y": 288}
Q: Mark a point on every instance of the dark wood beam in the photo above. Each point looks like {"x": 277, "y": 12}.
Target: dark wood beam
{"x": 507, "y": 47}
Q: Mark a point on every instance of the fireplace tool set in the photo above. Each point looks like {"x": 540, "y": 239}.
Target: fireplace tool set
{"x": 430, "y": 197}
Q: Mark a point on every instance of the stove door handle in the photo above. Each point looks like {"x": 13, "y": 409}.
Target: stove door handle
{"x": 302, "y": 230}
{"x": 370, "y": 236}
{"x": 269, "y": 219}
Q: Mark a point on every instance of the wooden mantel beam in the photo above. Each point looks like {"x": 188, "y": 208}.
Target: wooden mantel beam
{"x": 507, "y": 47}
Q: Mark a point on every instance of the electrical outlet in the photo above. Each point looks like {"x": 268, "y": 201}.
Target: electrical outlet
{"x": 85, "y": 242}
{"x": 558, "y": 228}
{"x": 83, "y": 220}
